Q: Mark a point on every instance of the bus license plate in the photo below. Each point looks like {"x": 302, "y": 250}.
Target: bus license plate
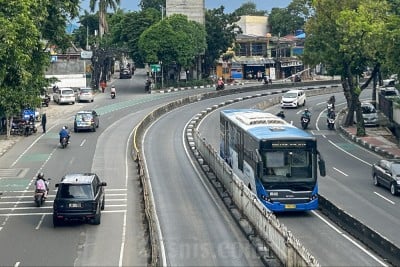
{"x": 290, "y": 206}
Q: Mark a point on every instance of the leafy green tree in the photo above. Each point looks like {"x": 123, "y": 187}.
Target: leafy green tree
{"x": 287, "y": 20}
{"x": 103, "y": 5}
{"x": 22, "y": 58}
{"x": 347, "y": 36}
{"x": 59, "y": 13}
{"x": 125, "y": 33}
{"x": 249, "y": 9}
{"x": 174, "y": 41}
{"x": 156, "y": 4}
{"x": 85, "y": 33}
{"x": 221, "y": 31}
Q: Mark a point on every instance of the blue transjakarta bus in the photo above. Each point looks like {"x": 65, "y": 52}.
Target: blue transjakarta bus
{"x": 275, "y": 159}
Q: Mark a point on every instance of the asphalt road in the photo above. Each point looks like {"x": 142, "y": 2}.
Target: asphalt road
{"x": 348, "y": 184}
{"x": 27, "y": 236}
{"x": 26, "y": 232}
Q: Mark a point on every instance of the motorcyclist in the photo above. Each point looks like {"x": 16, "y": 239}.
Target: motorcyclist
{"x": 147, "y": 85}
{"x": 332, "y": 101}
{"x": 220, "y": 83}
{"x": 64, "y": 133}
{"x": 281, "y": 114}
{"x": 41, "y": 184}
{"x": 306, "y": 114}
{"x": 331, "y": 114}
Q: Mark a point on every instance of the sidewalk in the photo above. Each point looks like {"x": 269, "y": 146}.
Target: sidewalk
{"x": 378, "y": 139}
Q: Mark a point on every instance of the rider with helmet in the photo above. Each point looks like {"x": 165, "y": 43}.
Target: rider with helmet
{"x": 41, "y": 184}
{"x": 64, "y": 133}
{"x": 306, "y": 114}
{"x": 281, "y": 114}
{"x": 220, "y": 84}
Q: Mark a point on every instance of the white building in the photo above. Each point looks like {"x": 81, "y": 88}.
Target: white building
{"x": 193, "y": 9}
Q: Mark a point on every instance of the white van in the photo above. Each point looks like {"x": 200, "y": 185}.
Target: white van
{"x": 293, "y": 99}
{"x": 64, "y": 95}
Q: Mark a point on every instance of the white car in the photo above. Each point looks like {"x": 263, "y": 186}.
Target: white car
{"x": 64, "y": 95}
{"x": 293, "y": 99}
{"x": 85, "y": 94}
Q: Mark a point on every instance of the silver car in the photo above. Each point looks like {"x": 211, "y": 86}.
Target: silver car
{"x": 85, "y": 94}
{"x": 64, "y": 95}
{"x": 369, "y": 113}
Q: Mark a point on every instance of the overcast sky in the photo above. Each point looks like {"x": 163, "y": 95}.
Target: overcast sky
{"x": 230, "y": 5}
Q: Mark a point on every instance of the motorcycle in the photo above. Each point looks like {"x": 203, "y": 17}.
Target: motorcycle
{"x": 40, "y": 195}
{"x": 112, "y": 95}
{"x": 331, "y": 123}
{"x": 220, "y": 87}
{"x": 147, "y": 87}
{"x": 304, "y": 122}
{"x": 64, "y": 142}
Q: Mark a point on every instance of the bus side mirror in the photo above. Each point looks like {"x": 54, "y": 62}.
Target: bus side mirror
{"x": 322, "y": 169}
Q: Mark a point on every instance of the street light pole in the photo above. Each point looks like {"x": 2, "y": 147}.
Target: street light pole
{"x": 268, "y": 36}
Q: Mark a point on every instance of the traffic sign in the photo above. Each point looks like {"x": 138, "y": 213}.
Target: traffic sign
{"x": 155, "y": 67}
{"x": 86, "y": 54}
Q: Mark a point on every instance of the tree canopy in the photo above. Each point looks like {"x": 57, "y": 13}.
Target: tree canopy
{"x": 249, "y": 9}
{"x": 23, "y": 58}
{"x": 174, "y": 40}
{"x": 347, "y": 37}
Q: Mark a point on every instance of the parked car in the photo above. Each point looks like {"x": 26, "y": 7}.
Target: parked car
{"x": 293, "y": 99}
{"x": 85, "y": 94}
{"x": 64, "y": 95}
{"x": 80, "y": 197}
{"x": 389, "y": 92}
{"x": 386, "y": 172}
{"x": 125, "y": 74}
{"x": 86, "y": 120}
{"x": 369, "y": 113}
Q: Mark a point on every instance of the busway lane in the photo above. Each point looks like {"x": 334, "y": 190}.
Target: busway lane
{"x": 327, "y": 244}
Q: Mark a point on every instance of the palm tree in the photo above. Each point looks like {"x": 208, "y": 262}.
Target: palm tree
{"x": 103, "y": 5}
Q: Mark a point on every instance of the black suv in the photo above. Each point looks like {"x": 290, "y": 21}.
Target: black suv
{"x": 79, "y": 196}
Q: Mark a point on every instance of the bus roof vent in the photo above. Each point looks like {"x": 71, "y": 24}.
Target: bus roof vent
{"x": 260, "y": 118}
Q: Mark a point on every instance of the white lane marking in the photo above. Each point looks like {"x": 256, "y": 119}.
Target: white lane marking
{"x": 30, "y": 191}
{"x": 339, "y": 171}
{"x": 51, "y": 201}
{"x": 341, "y": 149}
{"x": 83, "y": 142}
{"x": 350, "y": 239}
{"x": 25, "y": 151}
{"x": 51, "y": 213}
{"x": 40, "y": 222}
{"x": 17, "y": 264}
{"x": 121, "y": 253}
{"x": 385, "y": 198}
{"x": 154, "y": 207}
{"x": 123, "y": 238}
{"x": 50, "y": 207}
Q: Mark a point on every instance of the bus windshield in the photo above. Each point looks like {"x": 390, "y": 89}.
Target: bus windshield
{"x": 287, "y": 166}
